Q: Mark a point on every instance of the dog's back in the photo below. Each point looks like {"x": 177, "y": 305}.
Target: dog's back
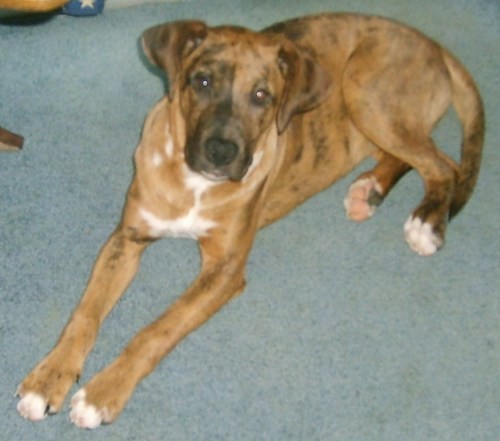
{"x": 391, "y": 85}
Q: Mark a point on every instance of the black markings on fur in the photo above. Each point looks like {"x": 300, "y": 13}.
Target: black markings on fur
{"x": 332, "y": 36}
{"x": 117, "y": 249}
{"x": 232, "y": 28}
{"x": 298, "y": 153}
{"x": 375, "y": 198}
{"x": 428, "y": 209}
{"x": 346, "y": 145}
{"x": 208, "y": 53}
{"x": 319, "y": 141}
{"x": 293, "y": 29}
{"x": 308, "y": 75}
{"x": 136, "y": 235}
{"x": 250, "y": 210}
{"x": 321, "y": 150}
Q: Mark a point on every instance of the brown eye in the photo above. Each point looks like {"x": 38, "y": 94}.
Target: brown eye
{"x": 261, "y": 97}
{"x": 201, "y": 81}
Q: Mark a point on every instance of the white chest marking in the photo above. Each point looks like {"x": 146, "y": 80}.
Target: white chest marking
{"x": 157, "y": 160}
{"x": 169, "y": 146}
{"x": 192, "y": 225}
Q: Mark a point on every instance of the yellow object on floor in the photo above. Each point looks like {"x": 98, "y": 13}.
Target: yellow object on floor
{"x": 32, "y": 5}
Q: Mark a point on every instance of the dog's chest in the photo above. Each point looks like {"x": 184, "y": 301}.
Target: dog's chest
{"x": 190, "y": 224}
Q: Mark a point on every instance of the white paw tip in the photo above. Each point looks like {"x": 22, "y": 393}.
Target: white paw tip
{"x": 420, "y": 237}
{"x": 32, "y": 407}
{"x": 360, "y": 190}
{"x": 84, "y": 415}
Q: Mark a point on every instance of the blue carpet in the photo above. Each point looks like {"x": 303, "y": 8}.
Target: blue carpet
{"x": 343, "y": 333}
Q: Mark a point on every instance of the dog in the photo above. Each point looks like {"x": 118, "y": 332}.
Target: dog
{"x": 253, "y": 124}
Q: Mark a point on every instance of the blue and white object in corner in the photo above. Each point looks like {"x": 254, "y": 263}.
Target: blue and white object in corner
{"x": 83, "y": 7}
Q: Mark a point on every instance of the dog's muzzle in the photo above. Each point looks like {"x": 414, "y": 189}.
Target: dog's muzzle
{"x": 217, "y": 157}
{"x": 220, "y": 152}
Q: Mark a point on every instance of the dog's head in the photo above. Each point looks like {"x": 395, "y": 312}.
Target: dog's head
{"x": 233, "y": 84}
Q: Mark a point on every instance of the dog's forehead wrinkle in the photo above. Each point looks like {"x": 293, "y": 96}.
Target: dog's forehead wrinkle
{"x": 234, "y": 78}
{"x": 206, "y": 60}
{"x": 249, "y": 58}
{"x": 224, "y": 44}
{"x": 249, "y": 74}
{"x": 209, "y": 66}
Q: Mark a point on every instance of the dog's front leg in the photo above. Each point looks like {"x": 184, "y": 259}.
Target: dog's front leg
{"x": 44, "y": 389}
{"x": 103, "y": 398}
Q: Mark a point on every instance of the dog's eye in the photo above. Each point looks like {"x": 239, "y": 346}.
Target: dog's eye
{"x": 261, "y": 97}
{"x": 201, "y": 81}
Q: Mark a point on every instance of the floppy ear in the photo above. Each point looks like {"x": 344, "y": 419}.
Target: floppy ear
{"x": 165, "y": 46}
{"x": 307, "y": 84}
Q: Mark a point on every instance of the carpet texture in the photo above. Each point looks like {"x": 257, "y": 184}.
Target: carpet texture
{"x": 343, "y": 333}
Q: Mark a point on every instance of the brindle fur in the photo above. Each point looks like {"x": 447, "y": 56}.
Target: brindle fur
{"x": 339, "y": 88}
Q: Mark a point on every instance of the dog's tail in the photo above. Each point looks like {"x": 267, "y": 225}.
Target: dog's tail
{"x": 469, "y": 107}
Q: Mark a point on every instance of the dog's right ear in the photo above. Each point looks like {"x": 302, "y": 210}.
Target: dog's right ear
{"x": 166, "y": 45}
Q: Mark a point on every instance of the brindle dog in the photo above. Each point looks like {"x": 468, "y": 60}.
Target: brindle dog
{"x": 254, "y": 124}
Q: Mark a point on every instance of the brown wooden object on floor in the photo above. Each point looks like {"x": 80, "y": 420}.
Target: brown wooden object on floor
{"x": 10, "y": 141}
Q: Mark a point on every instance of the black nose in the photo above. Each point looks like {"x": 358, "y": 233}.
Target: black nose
{"x": 220, "y": 151}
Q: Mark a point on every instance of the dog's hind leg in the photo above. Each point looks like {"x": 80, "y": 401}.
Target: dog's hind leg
{"x": 369, "y": 189}
{"x": 395, "y": 96}
{"x": 425, "y": 228}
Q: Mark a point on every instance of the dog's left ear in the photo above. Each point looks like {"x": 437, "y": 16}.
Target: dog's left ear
{"x": 166, "y": 45}
{"x": 307, "y": 84}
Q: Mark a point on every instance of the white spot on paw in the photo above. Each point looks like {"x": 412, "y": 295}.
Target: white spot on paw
{"x": 32, "y": 407}
{"x": 420, "y": 237}
{"x": 83, "y": 415}
{"x": 356, "y": 202}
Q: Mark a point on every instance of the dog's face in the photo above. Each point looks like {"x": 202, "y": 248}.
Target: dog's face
{"x": 233, "y": 85}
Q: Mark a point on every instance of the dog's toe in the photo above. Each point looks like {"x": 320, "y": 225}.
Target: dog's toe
{"x": 362, "y": 199}
{"x": 84, "y": 415}
{"x": 421, "y": 237}
{"x": 32, "y": 406}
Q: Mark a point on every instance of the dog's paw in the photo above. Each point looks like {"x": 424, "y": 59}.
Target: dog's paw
{"x": 362, "y": 199}
{"x": 103, "y": 398}
{"x": 421, "y": 237}
{"x": 33, "y": 406}
{"x": 42, "y": 392}
{"x": 83, "y": 414}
